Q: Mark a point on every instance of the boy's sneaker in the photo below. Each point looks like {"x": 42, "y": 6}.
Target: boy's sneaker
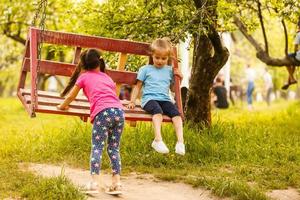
{"x": 180, "y": 148}
{"x": 160, "y": 147}
{"x": 91, "y": 188}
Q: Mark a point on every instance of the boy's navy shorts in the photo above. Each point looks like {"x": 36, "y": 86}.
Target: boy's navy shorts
{"x": 161, "y": 107}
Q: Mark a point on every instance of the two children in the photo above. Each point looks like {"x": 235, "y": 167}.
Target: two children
{"x": 107, "y": 113}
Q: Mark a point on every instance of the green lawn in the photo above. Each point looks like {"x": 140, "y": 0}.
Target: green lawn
{"x": 243, "y": 155}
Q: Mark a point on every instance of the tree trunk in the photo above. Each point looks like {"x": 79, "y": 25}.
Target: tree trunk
{"x": 198, "y": 104}
{"x": 210, "y": 55}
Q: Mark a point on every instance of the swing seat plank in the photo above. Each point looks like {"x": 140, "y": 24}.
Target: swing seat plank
{"x": 35, "y": 100}
{"x": 48, "y": 101}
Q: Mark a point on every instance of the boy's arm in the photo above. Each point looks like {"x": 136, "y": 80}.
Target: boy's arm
{"x": 178, "y": 73}
{"x": 70, "y": 97}
{"x": 172, "y": 87}
{"x": 135, "y": 94}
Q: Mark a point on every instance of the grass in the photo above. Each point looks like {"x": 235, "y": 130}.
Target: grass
{"x": 243, "y": 155}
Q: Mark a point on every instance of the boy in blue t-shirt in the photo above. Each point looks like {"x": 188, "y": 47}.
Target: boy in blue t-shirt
{"x": 156, "y": 81}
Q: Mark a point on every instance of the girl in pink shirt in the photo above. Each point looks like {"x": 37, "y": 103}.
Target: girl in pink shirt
{"x": 106, "y": 112}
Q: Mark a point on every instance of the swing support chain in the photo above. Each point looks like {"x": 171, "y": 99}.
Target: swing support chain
{"x": 40, "y": 11}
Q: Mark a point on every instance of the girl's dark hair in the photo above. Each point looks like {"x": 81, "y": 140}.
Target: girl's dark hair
{"x": 89, "y": 59}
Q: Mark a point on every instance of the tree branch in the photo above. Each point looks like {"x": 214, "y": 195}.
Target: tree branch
{"x": 221, "y": 52}
{"x": 261, "y": 54}
{"x": 8, "y": 33}
{"x": 262, "y": 26}
{"x": 285, "y": 38}
{"x": 15, "y": 37}
{"x": 249, "y": 37}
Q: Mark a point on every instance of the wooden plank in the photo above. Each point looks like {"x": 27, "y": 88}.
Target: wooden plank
{"x": 85, "y": 41}
{"x": 78, "y": 108}
{"x": 177, "y": 85}
{"x": 52, "y": 67}
{"x": 85, "y": 113}
{"x": 23, "y": 73}
{"x": 56, "y": 101}
{"x": 71, "y": 111}
{"x": 76, "y": 104}
{"x": 66, "y": 69}
{"x": 76, "y": 57}
{"x": 143, "y": 117}
{"x": 123, "y": 77}
{"x": 51, "y": 94}
{"x": 33, "y": 68}
{"x": 121, "y": 67}
{"x": 23, "y": 101}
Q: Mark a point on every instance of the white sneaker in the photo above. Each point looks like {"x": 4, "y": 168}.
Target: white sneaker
{"x": 160, "y": 147}
{"x": 180, "y": 148}
{"x": 91, "y": 188}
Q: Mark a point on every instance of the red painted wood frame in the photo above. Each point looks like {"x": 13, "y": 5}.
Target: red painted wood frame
{"x": 34, "y": 101}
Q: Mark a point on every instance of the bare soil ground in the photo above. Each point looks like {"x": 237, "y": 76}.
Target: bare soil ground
{"x": 136, "y": 187}
{"x": 288, "y": 194}
{"x": 145, "y": 186}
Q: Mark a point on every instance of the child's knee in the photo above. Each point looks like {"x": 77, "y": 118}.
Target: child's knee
{"x": 153, "y": 108}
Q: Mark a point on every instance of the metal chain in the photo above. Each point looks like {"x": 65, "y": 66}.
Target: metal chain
{"x": 176, "y": 38}
{"x": 42, "y": 28}
{"x": 200, "y": 26}
{"x": 42, "y": 6}
{"x": 198, "y": 13}
{"x": 37, "y": 12}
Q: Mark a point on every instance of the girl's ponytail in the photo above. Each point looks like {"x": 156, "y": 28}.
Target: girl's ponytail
{"x": 89, "y": 59}
{"x": 102, "y": 65}
{"x": 72, "y": 80}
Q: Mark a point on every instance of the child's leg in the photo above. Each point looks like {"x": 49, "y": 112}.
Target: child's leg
{"x": 158, "y": 143}
{"x": 177, "y": 122}
{"x": 153, "y": 107}
{"x": 157, "y": 120}
{"x": 99, "y": 135}
{"x": 113, "y": 143}
{"x": 250, "y": 90}
{"x": 291, "y": 70}
{"x": 155, "y": 110}
{"x": 170, "y": 109}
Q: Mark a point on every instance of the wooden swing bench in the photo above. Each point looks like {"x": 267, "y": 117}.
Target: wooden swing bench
{"x": 35, "y": 100}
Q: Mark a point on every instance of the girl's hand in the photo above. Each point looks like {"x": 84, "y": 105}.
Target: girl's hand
{"x": 60, "y": 107}
{"x": 131, "y": 105}
{"x": 178, "y": 73}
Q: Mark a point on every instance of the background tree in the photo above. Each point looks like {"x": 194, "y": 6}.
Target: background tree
{"x": 17, "y": 17}
{"x": 253, "y": 14}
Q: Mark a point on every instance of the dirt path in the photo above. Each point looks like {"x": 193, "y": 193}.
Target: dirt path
{"x": 136, "y": 187}
{"x": 288, "y": 194}
{"x": 147, "y": 187}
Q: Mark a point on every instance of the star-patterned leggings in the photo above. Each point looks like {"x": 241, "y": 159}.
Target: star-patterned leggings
{"x": 108, "y": 124}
